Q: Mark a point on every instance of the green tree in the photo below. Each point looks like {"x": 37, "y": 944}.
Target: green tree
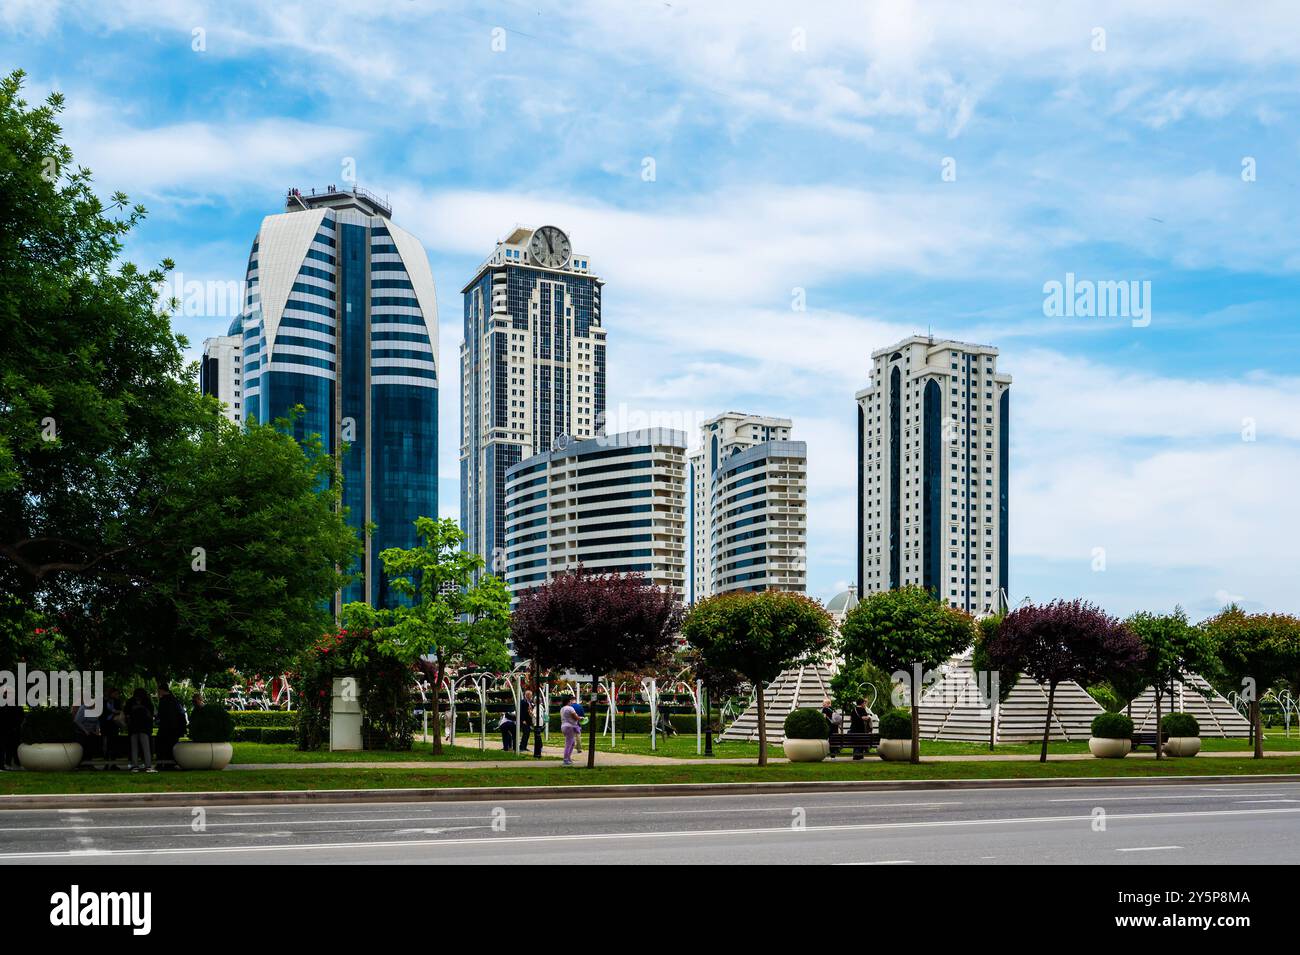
{"x": 1256, "y": 651}
{"x": 1172, "y": 647}
{"x": 445, "y": 612}
{"x": 93, "y": 395}
{"x": 758, "y": 635}
{"x": 906, "y": 630}
{"x": 1065, "y": 640}
{"x": 986, "y": 630}
{"x": 113, "y": 468}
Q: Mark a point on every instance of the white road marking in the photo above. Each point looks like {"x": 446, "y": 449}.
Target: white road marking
{"x": 1244, "y": 801}
{"x": 879, "y": 805}
{"x": 881, "y": 862}
{"x": 269, "y": 822}
{"x": 1095, "y": 799}
{"x": 1148, "y": 848}
{"x": 693, "y": 834}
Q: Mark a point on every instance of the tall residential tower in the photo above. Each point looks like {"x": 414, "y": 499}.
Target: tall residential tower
{"x": 612, "y": 504}
{"x": 932, "y": 473}
{"x": 532, "y": 371}
{"x": 340, "y": 318}
{"x": 749, "y": 506}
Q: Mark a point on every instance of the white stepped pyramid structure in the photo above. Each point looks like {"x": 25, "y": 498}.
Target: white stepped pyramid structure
{"x": 794, "y": 688}
{"x": 1193, "y": 695}
{"x": 953, "y": 709}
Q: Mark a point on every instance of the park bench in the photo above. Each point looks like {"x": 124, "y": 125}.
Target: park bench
{"x": 1148, "y": 739}
{"x": 851, "y": 741}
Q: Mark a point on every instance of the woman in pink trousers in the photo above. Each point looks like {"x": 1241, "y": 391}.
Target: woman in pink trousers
{"x": 571, "y": 727}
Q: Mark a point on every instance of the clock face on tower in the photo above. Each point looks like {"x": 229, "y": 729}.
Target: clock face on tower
{"x": 549, "y": 247}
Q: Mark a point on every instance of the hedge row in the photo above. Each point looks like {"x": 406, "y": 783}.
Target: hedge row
{"x": 266, "y": 734}
{"x": 279, "y": 718}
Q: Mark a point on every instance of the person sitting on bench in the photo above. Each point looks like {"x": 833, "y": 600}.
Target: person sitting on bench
{"x": 860, "y": 722}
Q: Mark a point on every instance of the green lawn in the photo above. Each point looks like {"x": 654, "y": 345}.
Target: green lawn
{"x": 288, "y": 753}
{"x": 532, "y": 775}
{"x": 683, "y": 746}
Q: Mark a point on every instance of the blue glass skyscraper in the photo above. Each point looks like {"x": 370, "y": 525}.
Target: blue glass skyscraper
{"x": 341, "y": 318}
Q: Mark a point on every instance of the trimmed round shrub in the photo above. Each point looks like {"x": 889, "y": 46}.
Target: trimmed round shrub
{"x": 212, "y": 724}
{"x": 896, "y": 724}
{"x": 1112, "y": 726}
{"x": 1180, "y": 724}
{"x": 49, "y": 724}
{"x": 806, "y": 724}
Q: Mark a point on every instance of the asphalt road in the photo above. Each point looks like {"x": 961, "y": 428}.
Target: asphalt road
{"x": 1212, "y": 823}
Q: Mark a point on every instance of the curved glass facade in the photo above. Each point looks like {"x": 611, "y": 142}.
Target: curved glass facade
{"x": 338, "y": 321}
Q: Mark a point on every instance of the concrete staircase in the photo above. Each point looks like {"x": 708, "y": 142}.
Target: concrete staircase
{"x": 954, "y": 709}
{"x": 1193, "y": 695}
{"x": 794, "y": 688}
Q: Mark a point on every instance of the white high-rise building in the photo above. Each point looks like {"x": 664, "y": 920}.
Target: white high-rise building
{"x": 614, "y": 504}
{"x": 221, "y": 372}
{"x": 932, "y": 473}
{"x": 748, "y": 515}
{"x": 532, "y": 371}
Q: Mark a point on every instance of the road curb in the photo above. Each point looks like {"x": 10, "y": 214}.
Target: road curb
{"x": 516, "y": 793}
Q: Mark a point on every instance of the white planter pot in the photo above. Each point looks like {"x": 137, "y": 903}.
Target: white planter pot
{"x": 895, "y": 750}
{"x": 806, "y": 750}
{"x": 1109, "y": 748}
{"x": 203, "y": 755}
{"x": 1182, "y": 746}
{"x": 50, "y": 757}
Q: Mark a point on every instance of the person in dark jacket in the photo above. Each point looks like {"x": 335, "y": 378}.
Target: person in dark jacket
{"x": 508, "y": 731}
{"x": 828, "y": 712}
{"x": 860, "y": 722}
{"x": 525, "y": 720}
{"x": 171, "y": 724}
{"x": 110, "y": 725}
{"x": 11, "y": 724}
{"x": 139, "y": 724}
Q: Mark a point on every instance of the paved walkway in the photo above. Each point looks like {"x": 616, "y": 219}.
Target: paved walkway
{"x": 604, "y": 758}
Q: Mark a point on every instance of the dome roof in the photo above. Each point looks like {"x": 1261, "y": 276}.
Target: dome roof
{"x": 844, "y": 601}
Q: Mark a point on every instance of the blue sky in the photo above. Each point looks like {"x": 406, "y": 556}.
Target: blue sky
{"x": 796, "y": 149}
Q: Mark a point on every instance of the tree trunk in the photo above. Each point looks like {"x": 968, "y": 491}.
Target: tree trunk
{"x": 993, "y": 725}
{"x": 1255, "y": 729}
{"x": 916, "y": 724}
{"x": 708, "y": 725}
{"x": 437, "y": 711}
{"x": 1047, "y": 724}
{"x": 1160, "y": 692}
{"x": 762, "y": 727}
{"x": 591, "y": 732}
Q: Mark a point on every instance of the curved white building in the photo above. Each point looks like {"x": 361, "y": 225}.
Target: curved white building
{"x": 341, "y": 318}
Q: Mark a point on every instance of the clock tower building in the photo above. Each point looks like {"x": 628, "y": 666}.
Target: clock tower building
{"x": 532, "y": 371}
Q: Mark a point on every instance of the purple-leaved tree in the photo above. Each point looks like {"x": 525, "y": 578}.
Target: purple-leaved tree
{"x": 1062, "y": 641}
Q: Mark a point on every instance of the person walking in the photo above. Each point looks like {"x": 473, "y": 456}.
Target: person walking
{"x": 139, "y": 724}
{"x": 525, "y": 720}
{"x": 11, "y": 724}
{"x": 508, "y": 731}
{"x": 111, "y": 722}
{"x": 582, "y": 715}
{"x": 88, "y": 733}
{"x": 571, "y": 726}
{"x": 860, "y": 722}
{"x": 171, "y": 724}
